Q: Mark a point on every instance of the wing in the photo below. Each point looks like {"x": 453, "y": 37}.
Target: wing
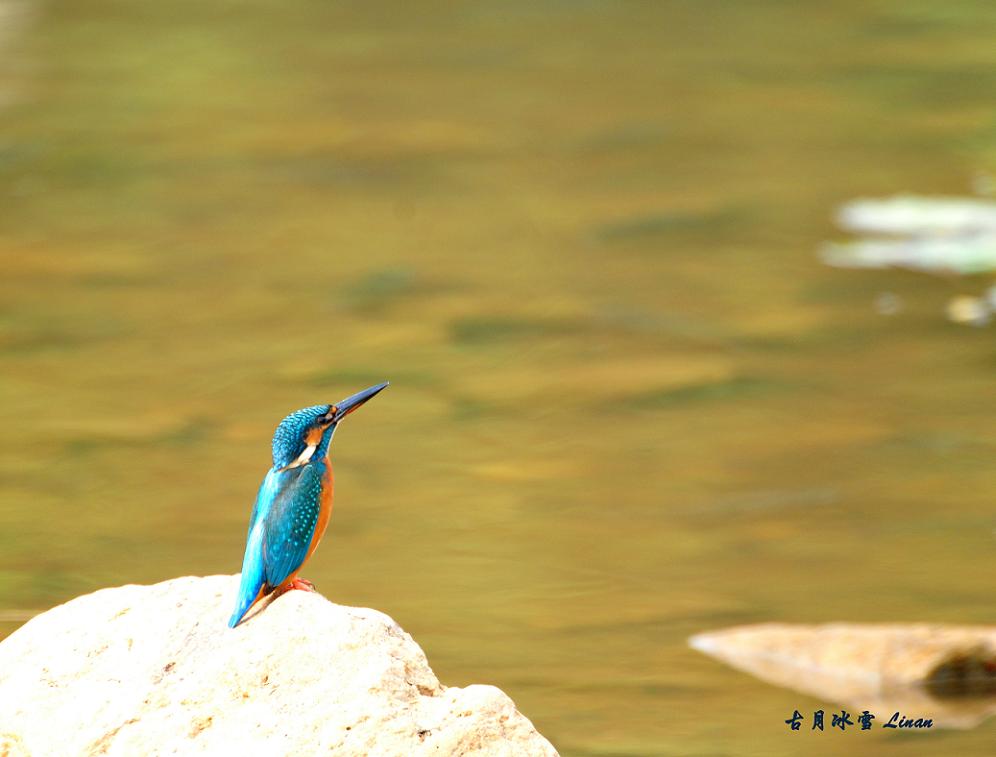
{"x": 268, "y": 491}
{"x": 253, "y": 576}
{"x": 289, "y": 522}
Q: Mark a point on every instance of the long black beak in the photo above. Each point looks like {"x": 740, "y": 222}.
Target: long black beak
{"x": 341, "y": 409}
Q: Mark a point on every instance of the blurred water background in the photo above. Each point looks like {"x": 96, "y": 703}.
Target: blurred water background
{"x": 628, "y": 403}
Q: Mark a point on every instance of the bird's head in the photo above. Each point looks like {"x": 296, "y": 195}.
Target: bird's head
{"x": 305, "y": 434}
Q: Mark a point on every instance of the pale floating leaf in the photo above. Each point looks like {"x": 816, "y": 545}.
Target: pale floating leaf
{"x": 962, "y": 255}
{"x": 912, "y": 215}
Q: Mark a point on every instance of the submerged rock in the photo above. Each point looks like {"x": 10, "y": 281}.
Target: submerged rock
{"x": 155, "y": 670}
{"x": 947, "y": 673}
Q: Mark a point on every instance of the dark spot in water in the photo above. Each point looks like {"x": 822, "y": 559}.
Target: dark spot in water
{"x": 483, "y": 330}
{"x": 732, "y": 388}
{"x": 625, "y": 138}
{"x": 643, "y": 227}
{"x": 387, "y": 282}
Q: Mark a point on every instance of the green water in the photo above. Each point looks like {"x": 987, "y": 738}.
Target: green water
{"x": 627, "y": 404}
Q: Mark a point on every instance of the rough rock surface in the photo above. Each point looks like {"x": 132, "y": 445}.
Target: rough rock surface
{"x": 944, "y": 672}
{"x": 150, "y": 670}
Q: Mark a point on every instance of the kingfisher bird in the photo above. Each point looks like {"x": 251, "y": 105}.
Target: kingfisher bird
{"x": 294, "y": 502}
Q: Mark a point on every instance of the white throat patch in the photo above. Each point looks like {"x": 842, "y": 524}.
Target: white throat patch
{"x": 304, "y": 458}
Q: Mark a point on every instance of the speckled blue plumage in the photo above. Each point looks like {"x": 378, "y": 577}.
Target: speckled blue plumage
{"x": 288, "y": 438}
{"x": 286, "y": 511}
{"x": 290, "y": 522}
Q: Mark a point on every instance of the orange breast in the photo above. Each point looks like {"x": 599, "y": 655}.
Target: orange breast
{"x": 324, "y": 509}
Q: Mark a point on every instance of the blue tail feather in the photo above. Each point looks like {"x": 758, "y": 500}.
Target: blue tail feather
{"x": 245, "y": 602}
{"x": 252, "y": 577}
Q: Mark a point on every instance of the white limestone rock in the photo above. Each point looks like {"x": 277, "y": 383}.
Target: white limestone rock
{"x": 154, "y": 670}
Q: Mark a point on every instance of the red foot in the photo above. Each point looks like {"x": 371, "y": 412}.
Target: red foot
{"x": 297, "y": 583}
